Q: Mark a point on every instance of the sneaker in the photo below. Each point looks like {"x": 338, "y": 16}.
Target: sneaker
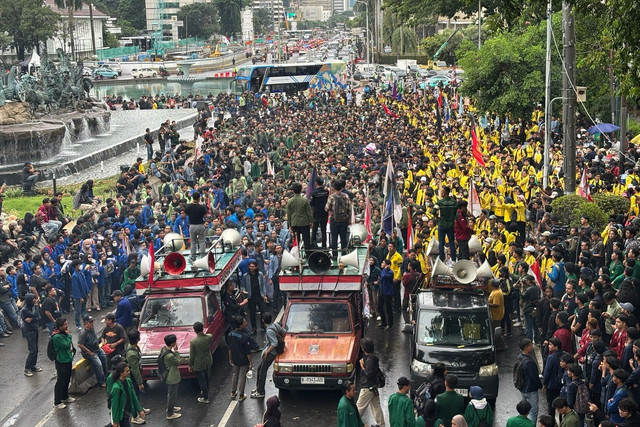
{"x": 69, "y": 400}
{"x": 203, "y": 400}
{"x": 60, "y": 405}
{"x": 177, "y": 409}
{"x": 28, "y": 373}
{"x": 256, "y": 395}
{"x": 517, "y": 324}
{"x": 147, "y": 411}
{"x": 37, "y": 369}
{"x": 138, "y": 420}
{"x": 234, "y": 394}
{"x": 386, "y": 328}
{"x": 241, "y": 398}
{"x": 173, "y": 416}
{"x": 379, "y": 318}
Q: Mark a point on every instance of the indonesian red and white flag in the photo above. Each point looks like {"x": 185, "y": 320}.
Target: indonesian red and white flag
{"x": 583, "y": 189}
{"x": 270, "y": 169}
{"x": 409, "y": 230}
{"x": 534, "y": 270}
{"x": 152, "y": 261}
{"x": 367, "y": 217}
{"x": 199, "y": 142}
{"x": 474, "y": 200}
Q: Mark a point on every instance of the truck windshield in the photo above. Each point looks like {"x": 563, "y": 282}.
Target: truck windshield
{"x": 172, "y": 312}
{"x": 325, "y": 318}
{"x": 453, "y": 328}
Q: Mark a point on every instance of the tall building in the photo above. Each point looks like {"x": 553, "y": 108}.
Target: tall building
{"x": 274, "y": 7}
{"x": 164, "y": 12}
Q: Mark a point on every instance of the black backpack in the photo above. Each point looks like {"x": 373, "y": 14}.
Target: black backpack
{"x": 341, "y": 211}
{"x": 423, "y": 393}
{"x": 481, "y": 422}
{"x": 518, "y": 374}
{"x": 51, "y": 352}
{"x": 162, "y": 367}
{"x": 280, "y": 346}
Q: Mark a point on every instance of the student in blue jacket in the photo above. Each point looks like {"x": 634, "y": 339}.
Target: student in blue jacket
{"x": 386, "y": 295}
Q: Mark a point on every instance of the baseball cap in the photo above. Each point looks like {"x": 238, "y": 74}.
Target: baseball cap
{"x": 530, "y": 249}
{"x": 116, "y": 293}
{"x": 627, "y": 306}
{"x": 87, "y": 319}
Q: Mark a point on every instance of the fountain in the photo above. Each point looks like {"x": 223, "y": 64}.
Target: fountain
{"x": 186, "y": 76}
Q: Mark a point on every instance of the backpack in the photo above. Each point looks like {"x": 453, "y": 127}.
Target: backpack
{"x": 518, "y": 374}
{"x": 423, "y": 393}
{"x": 582, "y": 399}
{"x": 51, "y": 352}
{"x": 481, "y": 422}
{"x": 162, "y": 367}
{"x": 382, "y": 379}
{"x": 341, "y": 211}
{"x": 280, "y": 346}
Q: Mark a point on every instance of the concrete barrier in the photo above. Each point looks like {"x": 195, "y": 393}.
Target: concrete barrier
{"x": 82, "y": 377}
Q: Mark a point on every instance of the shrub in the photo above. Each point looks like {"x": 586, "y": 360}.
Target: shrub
{"x": 569, "y": 210}
{"x": 612, "y": 205}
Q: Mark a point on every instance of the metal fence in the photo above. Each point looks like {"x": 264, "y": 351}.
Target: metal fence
{"x": 117, "y": 52}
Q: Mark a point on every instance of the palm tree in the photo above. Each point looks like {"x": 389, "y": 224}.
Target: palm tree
{"x": 261, "y": 21}
{"x": 70, "y": 5}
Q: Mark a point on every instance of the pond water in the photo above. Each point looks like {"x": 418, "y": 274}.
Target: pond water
{"x": 134, "y": 90}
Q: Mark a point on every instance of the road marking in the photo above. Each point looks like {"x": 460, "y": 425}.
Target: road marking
{"x": 232, "y": 406}
{"x": 46, "y": 418}
{"x": 227, "y": 414}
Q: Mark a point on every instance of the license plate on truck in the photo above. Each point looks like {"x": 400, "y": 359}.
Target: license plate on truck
{"x": 312, "y": 380}
{"x": 462, "y": 391}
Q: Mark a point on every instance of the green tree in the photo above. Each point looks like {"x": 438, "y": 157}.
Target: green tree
{"x": 229, "y": 12}
{"x": 507, "y": 74}
{"x": 404, "y": 40}
{"x": 127, "y": 29}
{"x": 133, "y": 11}
{"x": 27, "y": 23}
{"x": 109, "y": 39}
{"x": 261, "y": 21}
{"x": 71, "y": 6}
{"x": 201, "y": 20}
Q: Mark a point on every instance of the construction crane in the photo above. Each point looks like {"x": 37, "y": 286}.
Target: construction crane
{"x": 441, "y": 48}
{"x": 158, "y": 27}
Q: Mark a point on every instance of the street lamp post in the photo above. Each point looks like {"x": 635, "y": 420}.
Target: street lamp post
{"x": 366, "y": 3}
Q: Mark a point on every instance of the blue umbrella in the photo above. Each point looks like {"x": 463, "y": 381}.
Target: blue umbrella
{"x": 603, "y": 128}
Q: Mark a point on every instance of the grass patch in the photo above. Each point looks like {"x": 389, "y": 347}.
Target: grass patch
{"x": 17, "y": 204}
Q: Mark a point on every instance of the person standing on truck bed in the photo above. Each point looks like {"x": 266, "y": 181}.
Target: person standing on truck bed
{"x": 339, "y": 209}
{"x": 196, "y": 213}
{"x": 299, "y": 215}
{"x": 369, "y": 395}
{"x": 319, "y": 198}
{"x": 447, "y": 208}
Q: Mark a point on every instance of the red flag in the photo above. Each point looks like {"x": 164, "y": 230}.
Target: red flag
{"x": 475, "y": 146}
{"x": 440, "y": 100}
{"x": 583, "y": 189}
{"x": 389, "y": 112}
{"x": 367, "y": 218}
{"x": 409, "y": 230}
{"x": 152, "y": 262}
{"x": 474, "y": 200}
{"x": 534, "y": 270}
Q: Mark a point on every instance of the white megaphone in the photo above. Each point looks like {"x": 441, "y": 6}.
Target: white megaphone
{"x": 173, "y": 241}
{"x": 440, "y": 269}
{"x": 464, "y": 271}
{"x": 288, "y": 261}
{"x": 433, "y": 248}
{"x": 207, "y": 262}
{"x": 231, "y": 237}
{"x": 484, "y": 271}
{"x": 144, "y": 267}
{"x": 474, "y": 245}
{"x": 350, "y": 259}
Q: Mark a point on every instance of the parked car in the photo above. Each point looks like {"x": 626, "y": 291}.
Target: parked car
{"x": 116, "y": 68}
{"x": 139, "y": 73}
{"x": 104, "y": 73}
{"x": 437, "y": 80}
{"x": 87, "y": 72}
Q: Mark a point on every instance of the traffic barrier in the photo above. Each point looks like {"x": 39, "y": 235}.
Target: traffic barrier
{"x": 226, "y": 74}
{"x": 82, "y": 377}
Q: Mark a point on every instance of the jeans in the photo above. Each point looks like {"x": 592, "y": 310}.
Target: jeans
{"x": 239, "y": 373}
{"x": 80, "y": 309}
{"x": 61, "y": 389}
{"x": 386, "y": 313}
{"x": 149, "y": 151}
{"x": 10, "y": 311}
{"x": 32, "y": 345}
{"x": 50, "y": 326}
{"x": 51, "y": 227}
{"x": 532, "y": 398}
{"x": 105, "y": 292}
{"x": 172, "y": 397}
{"x": 532, "y": 330}
{"x": 99, "y": 364}
{"x": 397, "y": 301}
{"x": 339, "y": 229}
{"x": 253, "y": 315}
{"x": 442, "y": 233}
{"x": 203, "y": 382}
{"x": 262, "y": 372}
{"x": 197, "y": 241}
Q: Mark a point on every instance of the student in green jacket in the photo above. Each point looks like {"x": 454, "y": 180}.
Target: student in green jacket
{"x": 400, "y": 405}
{"x": 200, "y": 359}
{"x": 64, "y": 349}
{"x": 521, "y": 420}
{"x": 478, "y": 409}
{"x": 449, "y": 403}
{"x": 428, "y": 417}
{"x": 121, "y": 393}
{"x": 348, "y": 415}
{"x": 171, "y": 358}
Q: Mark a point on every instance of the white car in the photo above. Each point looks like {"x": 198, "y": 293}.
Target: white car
{"x": 139, "y": 73}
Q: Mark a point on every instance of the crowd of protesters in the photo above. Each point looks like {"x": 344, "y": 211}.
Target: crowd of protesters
{"x": 253, "y": 156}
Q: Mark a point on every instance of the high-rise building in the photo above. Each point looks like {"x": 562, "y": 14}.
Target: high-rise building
{"x": 274, "y": 7}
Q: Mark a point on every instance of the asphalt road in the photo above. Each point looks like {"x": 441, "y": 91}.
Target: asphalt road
{"x": 29, "y": 401}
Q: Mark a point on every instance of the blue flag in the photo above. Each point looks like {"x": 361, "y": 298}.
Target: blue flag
{"x": 312, "y": 183}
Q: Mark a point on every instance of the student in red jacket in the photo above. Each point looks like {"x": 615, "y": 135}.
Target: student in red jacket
{"x": 563, "y": 333}
{"x": 462, "y": 231}
{"x": 619, "y": 337}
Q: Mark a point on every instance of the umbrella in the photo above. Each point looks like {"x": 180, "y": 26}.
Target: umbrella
{"x": 603, "y": 128}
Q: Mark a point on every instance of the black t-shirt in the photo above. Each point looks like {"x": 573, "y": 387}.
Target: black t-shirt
{"x": 196, "y": 213}
{"x": 89, "y": 339}
{"x": 51, "y": 306}
{"x": 582, "y": 315}
{"x": 114, "y": 334}
{"x": 255, "y": 287}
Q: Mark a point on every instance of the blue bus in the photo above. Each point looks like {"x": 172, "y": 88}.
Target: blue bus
{"x": 290, "y": 78}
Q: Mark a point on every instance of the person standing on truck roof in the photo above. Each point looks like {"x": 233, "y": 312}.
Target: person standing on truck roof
{"x": 386, "y": 295}
{"x": 200, "y": 359}
{"x": 196, "y": 213}
{"x": 253, "y": 284}
{"x": 339, "y": 209}
{"x": 299, "y": 215}
{"x": 348, "y": 415}
{"x": 319, "y": 198}
{"x": 369, "y": 395}
{"x": 447, "y": 208}
{"x": 395, "y": 263}
{"x": 269, "y": 352}
{"x": 401, "y": 412}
